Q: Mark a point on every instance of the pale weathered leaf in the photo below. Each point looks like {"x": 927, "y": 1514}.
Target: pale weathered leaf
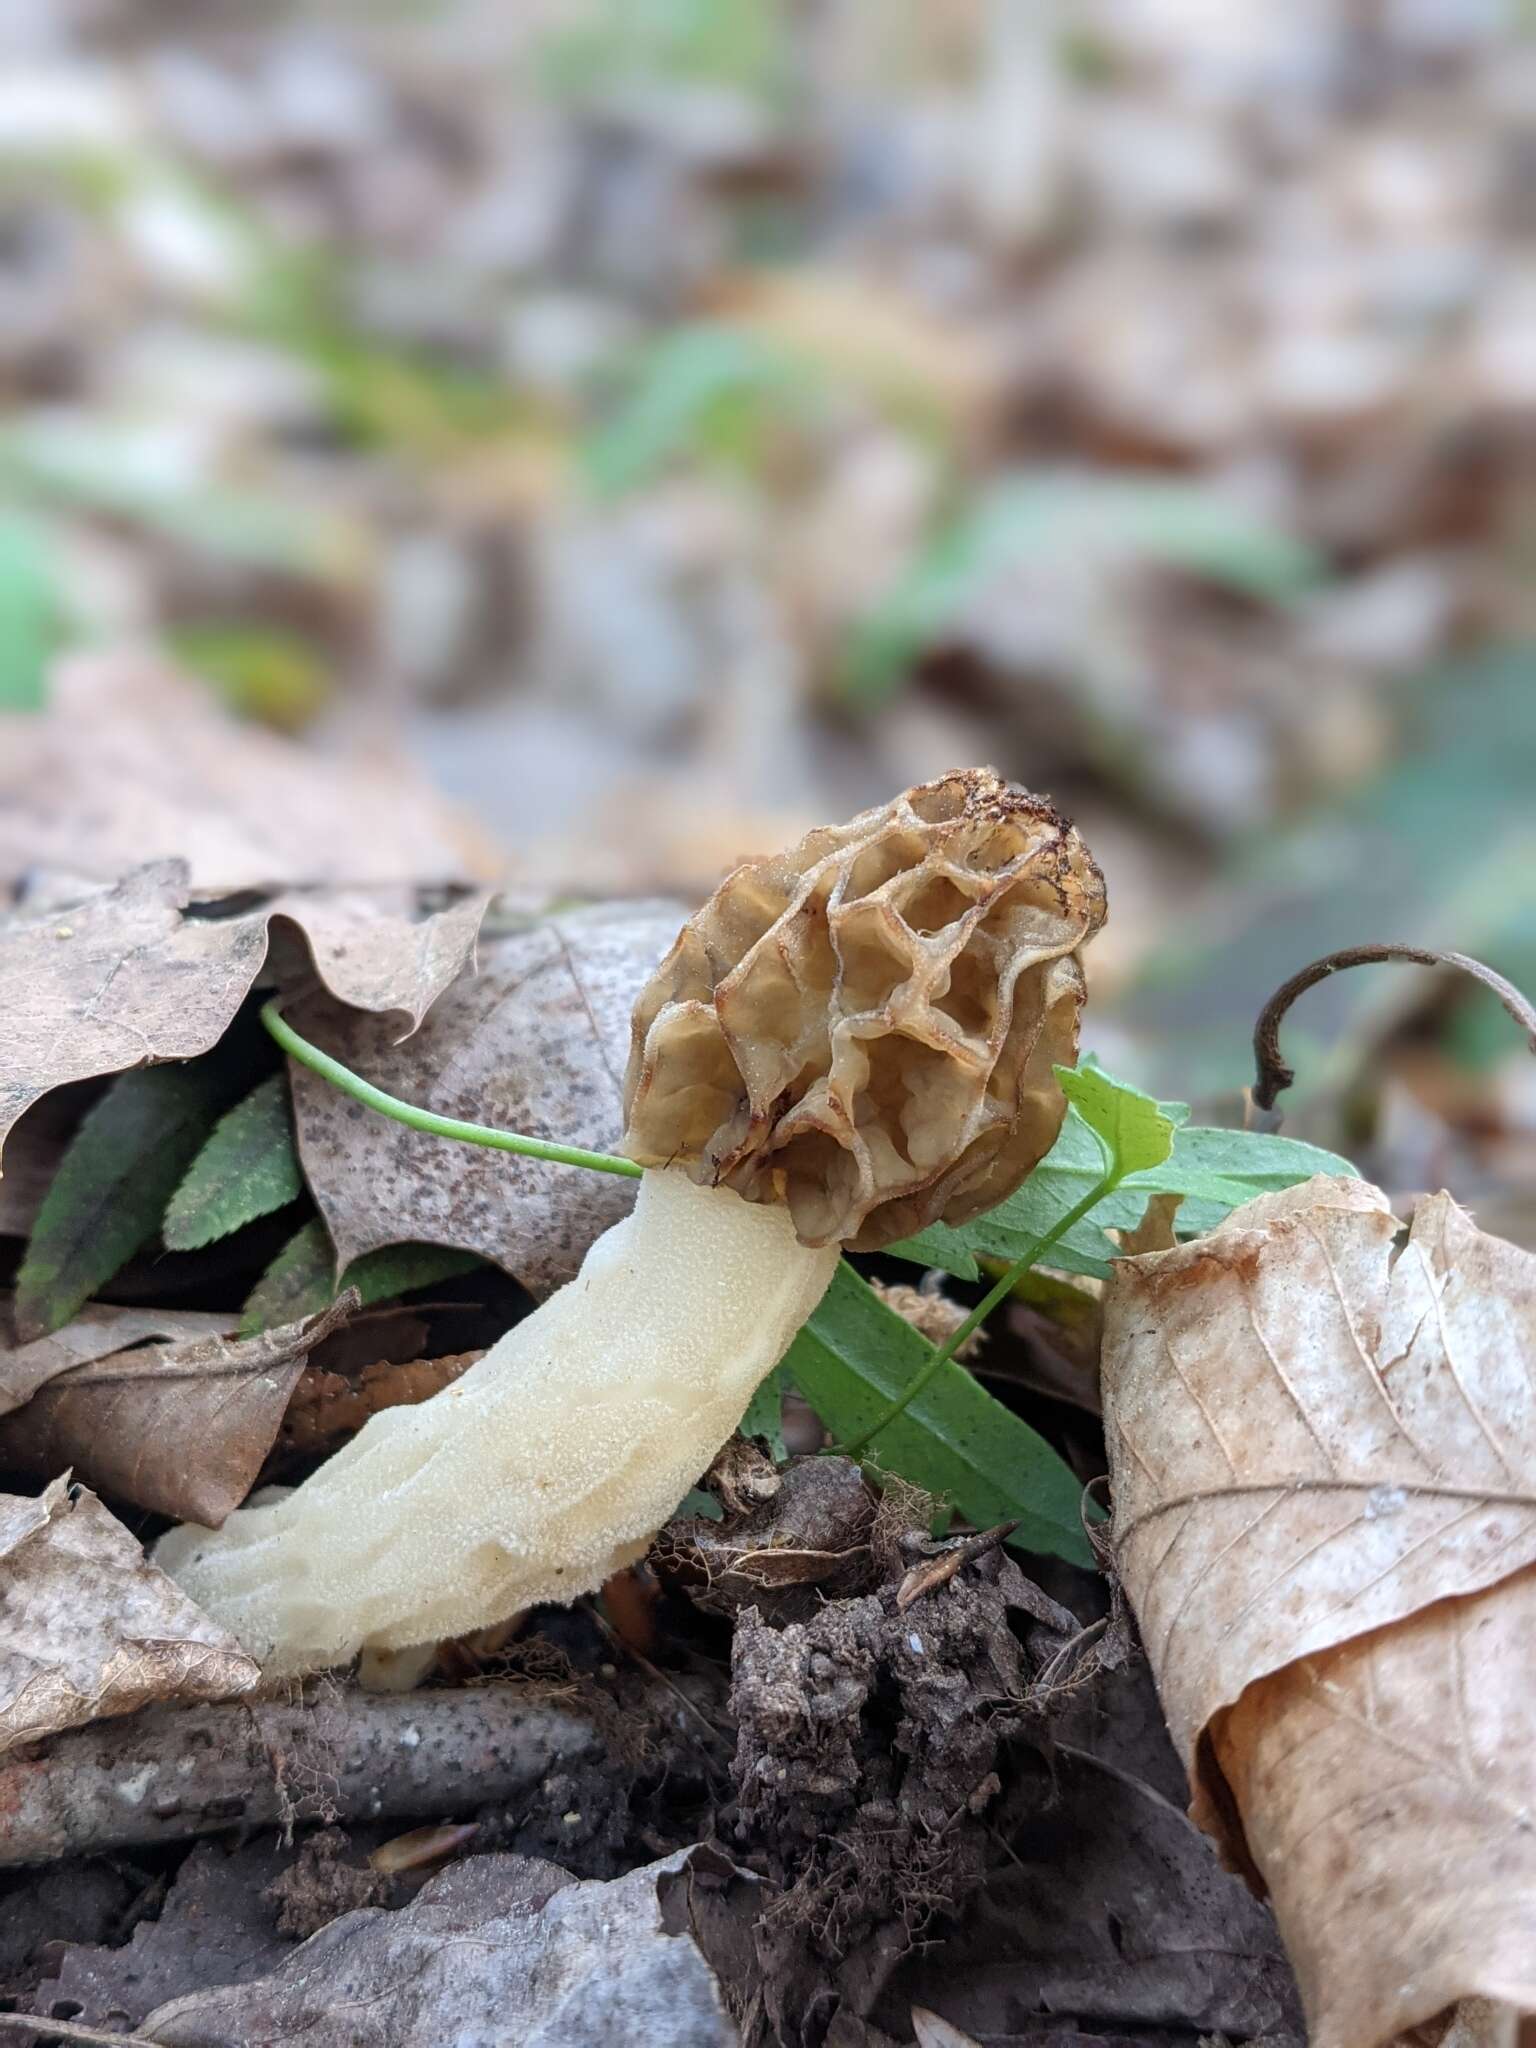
{"x": 1313, "y": 1431}
{"x": 1386, "y": 1789}
{"x": 1323, "y": 1443}
{"x": 96, "y": 1332}
{"x": 134, "y": 763}
{"x": 88, "y": 1628}
{"x": 131, "y": 974}
{"x": 536, "y": 1041}
{"x": 180, "y": 1428}
{"x": 498, "y": 1948}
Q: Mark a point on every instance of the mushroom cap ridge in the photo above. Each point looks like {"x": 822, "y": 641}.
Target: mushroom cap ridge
{"x": 863, "y": 1027}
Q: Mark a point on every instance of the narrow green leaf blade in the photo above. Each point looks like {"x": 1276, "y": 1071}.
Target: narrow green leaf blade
{"x": 110, "y": 1192}
{"x": 248, "y": 1168}
{"x": 765, "y": 1414}
{"x": 855, "y": 1355}
{"x": 302, "y": 1280}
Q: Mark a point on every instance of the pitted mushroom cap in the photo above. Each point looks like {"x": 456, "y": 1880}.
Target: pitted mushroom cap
{"x": 864, "y": 1027}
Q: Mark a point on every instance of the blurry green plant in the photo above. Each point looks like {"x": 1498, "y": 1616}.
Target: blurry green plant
{"x": 32, "y": 613}
{"x": 1053, "y": 516}
{"x": 745, "y": 44}
{"x": 261, "y": 672}
{"x": 1437, "y": 850}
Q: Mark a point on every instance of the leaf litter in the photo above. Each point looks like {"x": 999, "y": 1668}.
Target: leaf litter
{"x": 1320, "y": 1432}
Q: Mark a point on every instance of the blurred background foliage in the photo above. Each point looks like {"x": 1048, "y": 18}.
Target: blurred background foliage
{"x": 676, "y": 421}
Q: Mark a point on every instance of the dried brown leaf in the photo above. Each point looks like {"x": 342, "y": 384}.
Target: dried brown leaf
{"x": 88, "y": 1628}
{"x": 98, "y": 1331}
{"x": 135, "y": 763}
{"x": 1324, "y": 1454}
{"x": 1387, "y": 1789}
{"x": 125, "y": 976}
{"x": 180, "y": 1428}
{"x": 535, "y": 1041}
{"x": 498, "y": 1948}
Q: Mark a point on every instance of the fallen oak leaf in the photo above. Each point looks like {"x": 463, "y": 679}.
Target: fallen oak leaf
{"x": 130, "y": 974}
{"x": 89, "y": 1628}
{"x": 556, "y": 1959}
{"x": 1322, "y": 1446}
{"x": 535, "y": 1041}
{"x": 182, "y": 1429}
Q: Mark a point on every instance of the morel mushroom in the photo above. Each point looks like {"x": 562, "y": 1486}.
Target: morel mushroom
{"x": 849, "y": 1040}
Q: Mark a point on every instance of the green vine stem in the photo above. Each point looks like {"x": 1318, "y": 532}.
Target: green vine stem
{"x": 407, "y": 1113}
{"x": 978, "y": 1315}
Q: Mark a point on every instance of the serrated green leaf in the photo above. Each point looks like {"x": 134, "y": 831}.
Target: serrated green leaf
{"x": 1131, "y": 1127}
{"x": 248, "y": 1168}
{"x": 855, "y": 1356}
{"x": 765, "y": 1414}
{"x": 112, "y": 1185}
{"x": 302, "y": 1279}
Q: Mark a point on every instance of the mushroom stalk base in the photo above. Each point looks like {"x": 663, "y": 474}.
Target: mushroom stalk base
{"x": 547, "y": 1467}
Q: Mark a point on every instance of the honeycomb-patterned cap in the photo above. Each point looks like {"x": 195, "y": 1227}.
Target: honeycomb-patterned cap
{"x": 864, "y": 1027}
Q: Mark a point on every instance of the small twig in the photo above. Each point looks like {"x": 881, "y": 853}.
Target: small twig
{"x": 344, "y": 1756}
{"x": 934, "y": 1572}
{"x": 1272, "y": 1074}
{"x": 617, "y": 1642}
{"x": 428, "y": 1120}
{"x": 71, "y": 2030}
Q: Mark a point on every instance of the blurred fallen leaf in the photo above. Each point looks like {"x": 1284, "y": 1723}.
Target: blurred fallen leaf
{"x": 181, "y": 1428}
{"x": 88, "y": 1628}
{"x": 327, "y": 1406}
{"x": 1323, "y": 1445}
{"x": 133, "y": 762}
{"x": 556, "y": 1960}
{"x": 535, "y": 1041}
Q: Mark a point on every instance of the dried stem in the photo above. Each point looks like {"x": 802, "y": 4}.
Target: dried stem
{"x": 1272, "y": 1074}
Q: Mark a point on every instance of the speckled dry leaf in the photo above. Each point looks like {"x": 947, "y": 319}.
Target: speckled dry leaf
{"x": 134, "y": 763}
{"x": 130, "y": 973}
{"x": 498, "y": 1948}
{"x": 1323, "y": 1443}
{"x": 535, "y": 1041}
{"x": 181, "y": 1428}
{"x": 88, "y": 1628}
{"x": 99, "y": 1330}
{"x": 1387, "y": 1790}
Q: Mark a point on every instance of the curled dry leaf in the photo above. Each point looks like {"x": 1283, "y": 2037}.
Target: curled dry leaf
{"x": 554, "y": 1960}
{"x": 1324, "y": 1455}
{"x": 97, "y": 1331}
{"x": 129, "y": 974}
{"x": 181, "y": 1428}
{"x": 535, "y": 1041}
{"x": 88, "y": 1628}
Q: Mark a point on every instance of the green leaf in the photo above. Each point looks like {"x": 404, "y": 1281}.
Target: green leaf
{"x": 110, "y": 1191}
{"x": 1439, "y": 849}
{"x": 31, "y": 615}
{"x": 248, "y": 1168}
{"x": 1062, "y": 515}
{"x": 302, "y": 1280}
{"x": 1132, "y": 1128}
{"x": 696, "y": 1501}
{"x": 765, "y": 1414}
{"x": 855, "y": 1356}
{"x": 703, "y": 389}
{"x": 1214, "y": 1170}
